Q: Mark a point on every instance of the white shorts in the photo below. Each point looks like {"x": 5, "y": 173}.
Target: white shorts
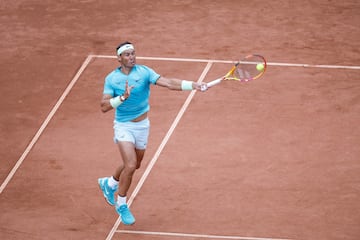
{"x": 135, "y": 132}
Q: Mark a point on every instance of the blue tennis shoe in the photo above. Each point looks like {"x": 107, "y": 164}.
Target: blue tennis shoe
{"x": 107, "y": 190}
{"x": 126, "y": 216}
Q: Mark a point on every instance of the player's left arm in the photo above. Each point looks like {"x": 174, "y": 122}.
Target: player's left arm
{"x": 178, "y": 84}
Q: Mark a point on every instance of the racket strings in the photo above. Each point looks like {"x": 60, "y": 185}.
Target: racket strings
{"x": 242, "y": 72}
{"x": 247, "y": 70}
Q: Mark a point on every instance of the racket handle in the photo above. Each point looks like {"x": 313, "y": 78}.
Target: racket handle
{"x": 213, "y": 83}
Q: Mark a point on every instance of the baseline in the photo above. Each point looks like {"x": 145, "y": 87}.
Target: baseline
{"x": 304, "y": 65}
{"x": 191, "y": 235}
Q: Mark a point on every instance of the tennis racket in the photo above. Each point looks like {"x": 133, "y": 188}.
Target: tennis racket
{"x": 249, "y": 68}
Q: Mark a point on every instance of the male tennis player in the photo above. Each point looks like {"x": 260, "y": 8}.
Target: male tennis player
{"x": 127, "y": 90}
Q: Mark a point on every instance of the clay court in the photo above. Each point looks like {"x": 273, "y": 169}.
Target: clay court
{"x": 275, "y": 158}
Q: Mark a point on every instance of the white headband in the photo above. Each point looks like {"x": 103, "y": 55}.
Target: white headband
{"x": 124, "y": 48}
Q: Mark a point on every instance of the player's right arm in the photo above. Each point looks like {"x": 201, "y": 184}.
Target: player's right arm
{"x": 109, "y": 102}
{"x": 105, "y": 103}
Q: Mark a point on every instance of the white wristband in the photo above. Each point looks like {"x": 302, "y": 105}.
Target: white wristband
{"x": 115, "y": 102}
{"x": 186, "y": 85}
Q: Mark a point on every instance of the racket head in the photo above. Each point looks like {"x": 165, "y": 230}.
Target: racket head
{"x": 249, "y": 68}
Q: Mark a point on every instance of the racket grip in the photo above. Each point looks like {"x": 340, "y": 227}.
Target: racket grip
{"x": 213, "y": 83}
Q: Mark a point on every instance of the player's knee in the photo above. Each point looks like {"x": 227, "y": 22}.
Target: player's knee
{"x": 130, "y": 168}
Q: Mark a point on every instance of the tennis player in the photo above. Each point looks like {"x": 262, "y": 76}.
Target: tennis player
{"x": 127, "y": 90}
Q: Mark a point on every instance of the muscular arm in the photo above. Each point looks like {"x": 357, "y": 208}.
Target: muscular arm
{"x": 105, "y": 103}
{"x": 174, "y": 84}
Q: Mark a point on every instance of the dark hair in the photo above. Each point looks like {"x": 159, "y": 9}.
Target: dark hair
{"x": 122, "y": 44}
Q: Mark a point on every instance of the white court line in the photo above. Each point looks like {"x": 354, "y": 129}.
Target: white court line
{"x": 45, "y": 123}
{"x": 159, "y": 150}
{"x": 189, "y": 235}
{"x": 304, "y": 65}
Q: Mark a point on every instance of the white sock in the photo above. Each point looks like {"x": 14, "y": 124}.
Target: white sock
{"x": 112, "y": 182}
{"x": 121, "y": 200}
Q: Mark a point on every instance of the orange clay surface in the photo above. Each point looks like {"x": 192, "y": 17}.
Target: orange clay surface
{"x": 274, "y": 158}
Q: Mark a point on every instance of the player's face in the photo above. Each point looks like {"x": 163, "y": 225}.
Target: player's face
{"x": 128, "y": 58}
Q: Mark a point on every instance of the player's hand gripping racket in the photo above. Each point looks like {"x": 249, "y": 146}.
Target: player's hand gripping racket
{"x": 250, "y": 68}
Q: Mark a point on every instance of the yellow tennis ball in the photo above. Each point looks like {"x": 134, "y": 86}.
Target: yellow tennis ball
{"x": 260, "y": 67}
